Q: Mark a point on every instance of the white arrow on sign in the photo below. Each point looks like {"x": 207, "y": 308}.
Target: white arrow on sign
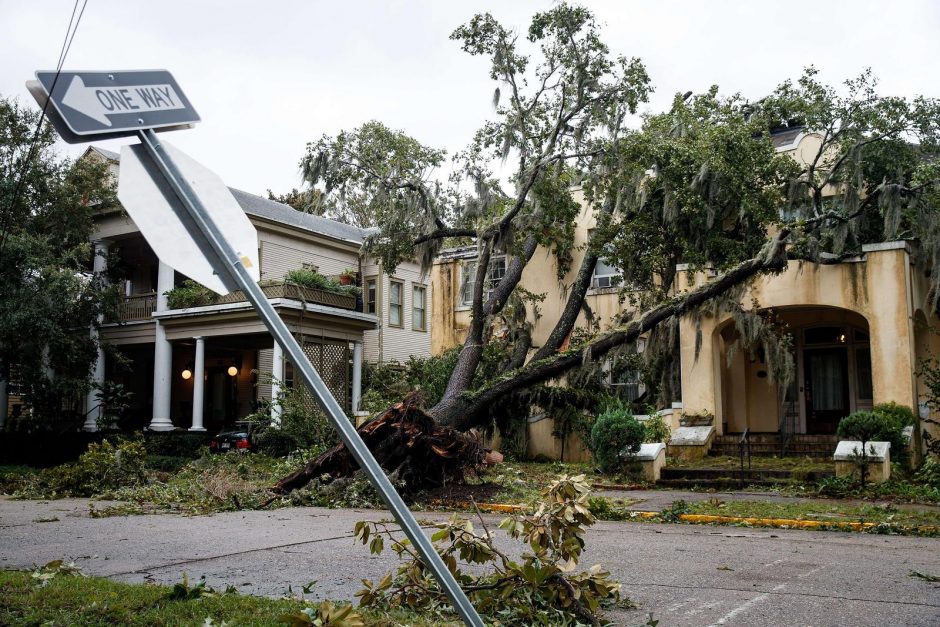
{"x": 100, "y": 102}
{"x": 168, "y": 227}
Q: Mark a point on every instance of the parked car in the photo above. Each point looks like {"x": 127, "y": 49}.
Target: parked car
{"x": 237, "y": 437}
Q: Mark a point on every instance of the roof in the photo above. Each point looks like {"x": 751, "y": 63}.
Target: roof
{"x": 274, "y": 211}
{"x": 785, "y": 138}
{"x": 285, "y": 214}
{"x": 107, "y": 154}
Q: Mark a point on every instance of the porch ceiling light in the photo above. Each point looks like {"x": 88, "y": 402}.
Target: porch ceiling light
{"x": 232, "y": 371}
{"x": 187, "y": 374}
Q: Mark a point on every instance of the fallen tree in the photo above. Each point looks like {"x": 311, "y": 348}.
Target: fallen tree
{"x": 701, "y": 184}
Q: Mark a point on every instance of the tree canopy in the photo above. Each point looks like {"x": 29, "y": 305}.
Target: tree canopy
{"x": 701, "y": 183}
{"x": 48, "y": 297}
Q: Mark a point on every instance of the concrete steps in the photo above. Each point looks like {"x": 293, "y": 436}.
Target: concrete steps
{"x": 770, "y": 444}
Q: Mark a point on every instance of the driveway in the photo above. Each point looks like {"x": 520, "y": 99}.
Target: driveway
{"x": 685, "y": 575}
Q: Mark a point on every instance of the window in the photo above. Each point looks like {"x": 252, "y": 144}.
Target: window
{"x": 605, "y": 273}
{"x": 396, "y": 299}
{"x": 418, "y": 307}
{"x": 623, "y": 376}
{"x": 626, "y": 383}
{"x": 371, "y": 296}
{"x": 863, "y": 373}
{"x": 497, "y": 271}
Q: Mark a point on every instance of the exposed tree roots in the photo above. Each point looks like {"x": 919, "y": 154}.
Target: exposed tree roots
{"x": 409, "y": 445}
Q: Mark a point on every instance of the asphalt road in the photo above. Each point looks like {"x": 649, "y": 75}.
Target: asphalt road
{"x": 684, "y": 575}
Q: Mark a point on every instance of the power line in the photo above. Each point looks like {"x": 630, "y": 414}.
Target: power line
{"x": 63, "y": 54}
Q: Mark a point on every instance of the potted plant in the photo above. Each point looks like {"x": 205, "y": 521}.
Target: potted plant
{"x": 347, "y": 277}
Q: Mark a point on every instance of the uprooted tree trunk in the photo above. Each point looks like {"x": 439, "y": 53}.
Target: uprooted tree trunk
{"x": 409, "y": 445}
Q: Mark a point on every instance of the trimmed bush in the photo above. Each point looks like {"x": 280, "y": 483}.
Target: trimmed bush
{"x": 615, "y": 434}
{"x": 863, "y": 426}
{"x": 885, "y": 423}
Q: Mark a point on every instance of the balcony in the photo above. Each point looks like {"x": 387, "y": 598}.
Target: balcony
{"x": 137, "y": 307}
{"x": 141, "y": 306}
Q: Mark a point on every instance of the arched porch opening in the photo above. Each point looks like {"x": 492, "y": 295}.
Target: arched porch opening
{"x": 832, "y": 378}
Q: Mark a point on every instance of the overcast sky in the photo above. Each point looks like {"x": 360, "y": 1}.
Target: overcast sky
{"x": 269, "y": 76}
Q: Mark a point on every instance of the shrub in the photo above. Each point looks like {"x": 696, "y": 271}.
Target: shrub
{"x": 615, "y": 434}
{"x": 103, "y": 467}
{"x": 885, "y": 423}
{"x": 656, "y": 429}
{"x": 311, "y": 279}
{"x": 276, "y": 443}
{"x": 863, "y": 426}
{"x": 929, "y": 473}
{"x": 872, "y": 427}
{"x": 897, "y": 415}
{"x": 175, "y": 444}
{"x": 190, "y": 294}
{"x": 302, "y": 425}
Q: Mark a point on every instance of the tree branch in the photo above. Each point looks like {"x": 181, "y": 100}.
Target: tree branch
{"x": 772, "y": 258}
{"x": 444, "y": 232}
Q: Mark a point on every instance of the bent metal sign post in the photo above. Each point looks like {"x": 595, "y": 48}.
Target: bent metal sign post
{"x": 97, "y": 105}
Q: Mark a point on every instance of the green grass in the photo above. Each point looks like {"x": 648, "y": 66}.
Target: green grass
{"x": 71, "y": 600}
{"x": 832, "y": 511}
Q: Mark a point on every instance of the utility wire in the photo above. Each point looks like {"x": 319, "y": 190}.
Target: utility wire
{"x": 63, "y": 54}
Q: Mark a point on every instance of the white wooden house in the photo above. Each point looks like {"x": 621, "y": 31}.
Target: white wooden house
{"x": 157, "y": 352}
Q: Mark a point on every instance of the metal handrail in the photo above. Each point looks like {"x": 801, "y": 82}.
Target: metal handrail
{"x": 744, "y": 445}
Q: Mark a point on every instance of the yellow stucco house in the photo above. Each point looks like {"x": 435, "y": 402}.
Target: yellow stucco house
{"x": 860, "y": 327}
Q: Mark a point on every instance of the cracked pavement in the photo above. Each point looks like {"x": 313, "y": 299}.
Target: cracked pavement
{"x": 685, "y": 575}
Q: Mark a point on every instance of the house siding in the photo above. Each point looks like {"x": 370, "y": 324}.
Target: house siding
{"x": 280, "y": 254}
{"x": 397, "y": 344}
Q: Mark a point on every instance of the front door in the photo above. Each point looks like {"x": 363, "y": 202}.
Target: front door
{"x": 826, "y": 372}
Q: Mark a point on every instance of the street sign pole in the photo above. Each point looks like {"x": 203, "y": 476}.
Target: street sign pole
{"x": 292, "y": 349}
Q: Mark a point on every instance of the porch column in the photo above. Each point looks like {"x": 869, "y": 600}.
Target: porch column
{"x": 891, "y": 328}
{"x": 162, "y": 357}
{"x": 699, "y": 373}
{"x": 92, "y": 410}
{"x": 199, "y": 379}
{"x": 356, "y": 376}
{"x": 277, "y": 379}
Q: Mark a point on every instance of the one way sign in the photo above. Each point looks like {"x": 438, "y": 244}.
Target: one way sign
{"x": 112, "y": 103}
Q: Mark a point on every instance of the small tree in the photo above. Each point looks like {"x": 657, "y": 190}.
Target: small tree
{"x": 47, "y": 291}
{"x": 865, "y": 427}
